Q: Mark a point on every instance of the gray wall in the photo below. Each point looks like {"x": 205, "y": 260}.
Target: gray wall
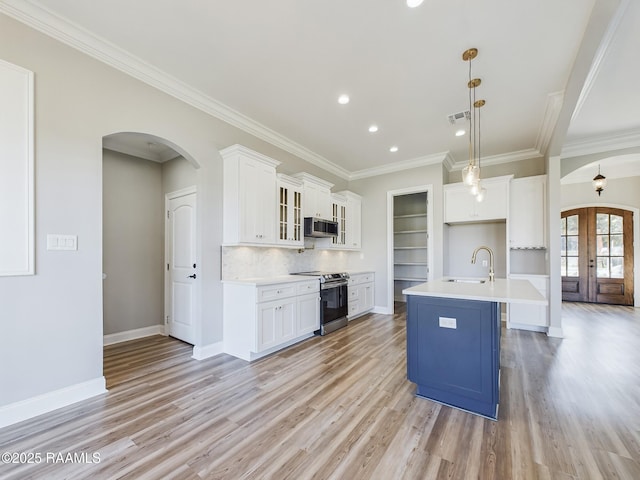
{"x": 461, "y": 240}
{"x": 176, "y": 175}
{"x": 133, "y": 242}
{"x": 374, "y": 221}
{"x": 619, "y": 191}
{"x": 53, "y": 321}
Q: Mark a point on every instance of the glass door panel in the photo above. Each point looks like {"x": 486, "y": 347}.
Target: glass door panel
{"x": 597, "y": 255}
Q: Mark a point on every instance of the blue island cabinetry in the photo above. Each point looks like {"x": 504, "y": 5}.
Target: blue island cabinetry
{"x": 453, "y": 352}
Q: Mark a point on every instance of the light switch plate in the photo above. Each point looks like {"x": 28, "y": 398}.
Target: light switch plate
{"x": 62, "y": 242}
{"x": 447, "y": 322}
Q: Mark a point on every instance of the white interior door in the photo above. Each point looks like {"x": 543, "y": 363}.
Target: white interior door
{"x": 181, "y": 267}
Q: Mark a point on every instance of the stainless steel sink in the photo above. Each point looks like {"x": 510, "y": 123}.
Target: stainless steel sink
{"x": 465, "y": 280}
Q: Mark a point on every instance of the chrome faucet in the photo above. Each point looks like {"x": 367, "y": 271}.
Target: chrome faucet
{"x": 491, "y": 271}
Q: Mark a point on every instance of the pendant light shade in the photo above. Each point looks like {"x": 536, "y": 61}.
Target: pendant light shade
{"x": 470, "y": 174}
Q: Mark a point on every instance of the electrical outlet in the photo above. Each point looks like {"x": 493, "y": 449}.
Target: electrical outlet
{"x": 484, "y": 263}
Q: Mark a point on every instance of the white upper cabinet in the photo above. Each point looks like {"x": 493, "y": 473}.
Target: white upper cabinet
{"x": 317, "y": 196}
{"x": 527, "y": 212}
{"x": 353, "y": 223}
{"x": 250, "y": 203}
{"x": 289, "y": 221}
{"x": 460, "y": 206}
{"x": 339, "y": 215}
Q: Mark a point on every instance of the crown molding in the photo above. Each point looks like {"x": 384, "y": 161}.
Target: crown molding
{"x": 83, "y": 40}
{"x": 603, "y": 143}
{"x": 502, "y": 158}
{"x": 549, "y": 120}
{"x": 436, "y": 158}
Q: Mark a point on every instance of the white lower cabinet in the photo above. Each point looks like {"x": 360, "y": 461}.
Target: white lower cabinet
{"x": 361, "y": 294}
{"x": 276, "y": 323}
{"x": 308, "y": 320}
{"x": 530, "y": 317}
{"x": 261, "y": 319}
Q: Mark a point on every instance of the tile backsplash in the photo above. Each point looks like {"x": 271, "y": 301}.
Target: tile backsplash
{"x": 249, "y": 262}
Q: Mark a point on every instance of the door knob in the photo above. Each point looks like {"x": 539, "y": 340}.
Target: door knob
{"x": 192, "y": 276}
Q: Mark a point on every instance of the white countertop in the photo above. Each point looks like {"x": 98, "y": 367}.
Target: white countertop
{"x": 270, "y": 280}
{"x": 502, "y": 290}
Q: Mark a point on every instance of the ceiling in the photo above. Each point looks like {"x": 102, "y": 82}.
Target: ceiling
{"x": 277, "y": 68}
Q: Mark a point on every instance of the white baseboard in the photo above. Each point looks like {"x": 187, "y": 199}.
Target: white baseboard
{"x": 531, "y": 328}
{"x": 383, "y": 310}
{"x": 133, "y": 334}
{"x": 47, "y": 402}
{"x": 207, "y": 351}
{"x": 555, "y": 332}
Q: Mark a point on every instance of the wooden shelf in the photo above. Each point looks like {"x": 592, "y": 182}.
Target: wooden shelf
{"x": 410, "y": 241}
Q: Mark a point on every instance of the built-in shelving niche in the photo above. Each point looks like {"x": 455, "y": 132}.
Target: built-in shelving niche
{"x": 410, "y": 238}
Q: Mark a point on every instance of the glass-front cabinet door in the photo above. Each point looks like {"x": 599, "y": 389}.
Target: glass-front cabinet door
{"x": 290, "y": 211}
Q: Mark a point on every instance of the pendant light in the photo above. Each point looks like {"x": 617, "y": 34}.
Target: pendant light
{"x": 471, "y": 173}
{"x": 599, "y": 182}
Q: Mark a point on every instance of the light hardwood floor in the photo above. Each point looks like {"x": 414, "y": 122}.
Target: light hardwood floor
{"x": 340, "y": 407}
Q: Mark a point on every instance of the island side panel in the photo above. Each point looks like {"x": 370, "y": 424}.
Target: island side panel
{"x": 453, "y": 352}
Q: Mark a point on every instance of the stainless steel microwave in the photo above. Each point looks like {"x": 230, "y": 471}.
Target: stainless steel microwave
{"x": 319, "y": 227}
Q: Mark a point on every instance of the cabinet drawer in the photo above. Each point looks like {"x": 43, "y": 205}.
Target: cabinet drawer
{"x": 273, "y": 292}
{"x": 354, "y": 307}
{"x": 362, "y": 278}
{"x": 353, "y": 293}
{"x": 312, "y": 286}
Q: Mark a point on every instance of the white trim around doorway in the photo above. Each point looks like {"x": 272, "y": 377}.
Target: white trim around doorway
{"x": 636, "y": 240}
{"x": 390, "y": 270}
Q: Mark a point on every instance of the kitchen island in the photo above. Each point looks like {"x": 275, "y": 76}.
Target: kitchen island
{"x": 453, "y": 339}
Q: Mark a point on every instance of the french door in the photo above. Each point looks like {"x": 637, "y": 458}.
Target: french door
{"x": 597, "y": 255}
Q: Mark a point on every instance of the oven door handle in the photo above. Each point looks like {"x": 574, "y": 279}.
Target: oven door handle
{"x": 327, "y": 286}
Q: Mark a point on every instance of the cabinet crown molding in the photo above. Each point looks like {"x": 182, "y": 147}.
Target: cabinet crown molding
{"x": 289, "y": 179}
{"x": 307, "y": 177}
{"x": 247, "y": 152}
{"x": 350, "y": 194}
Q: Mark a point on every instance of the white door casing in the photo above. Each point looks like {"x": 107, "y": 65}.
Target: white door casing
{"x": 181, "y": 265}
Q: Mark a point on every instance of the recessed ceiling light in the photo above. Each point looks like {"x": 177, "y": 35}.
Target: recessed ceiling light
{"x": 373, "y": 129}
{"x": 414, "y": 3}
{"x": 343, "y": 99}
{"x": 393, "y": 149}
{"x": 460, "y": 133}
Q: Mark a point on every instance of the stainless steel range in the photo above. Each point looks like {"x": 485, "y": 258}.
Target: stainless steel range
{"x": 333, "y": 298}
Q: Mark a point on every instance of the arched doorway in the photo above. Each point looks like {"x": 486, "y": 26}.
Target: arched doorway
{"x": 143, "y": 175}
{"x": 597, "y": 257}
